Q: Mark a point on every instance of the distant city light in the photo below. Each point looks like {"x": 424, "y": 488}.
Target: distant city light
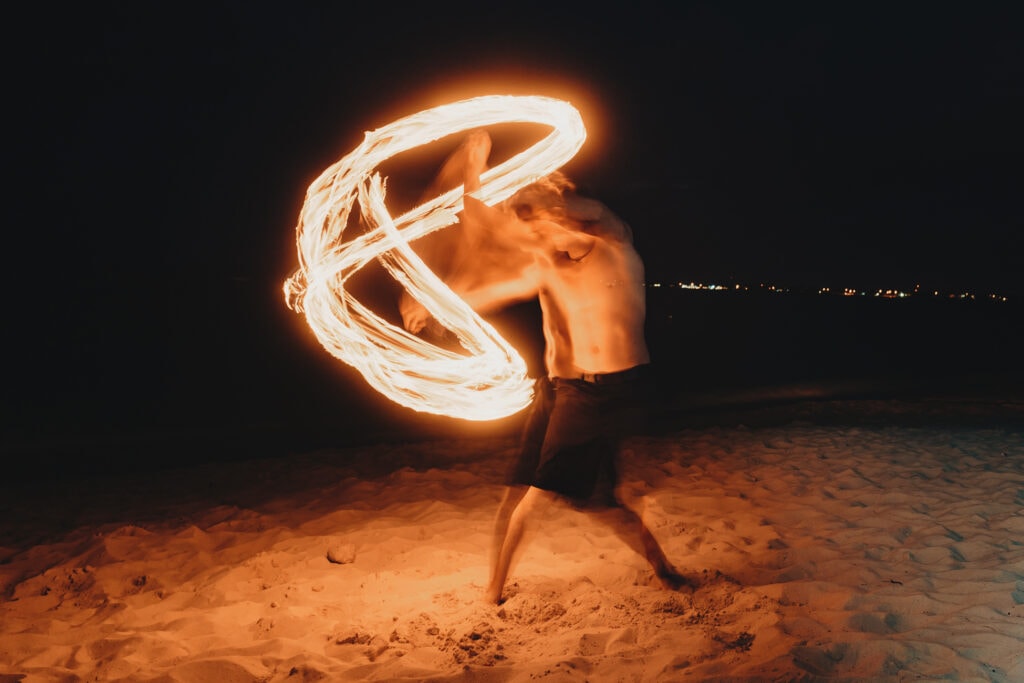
{"x": 880, "y": 293}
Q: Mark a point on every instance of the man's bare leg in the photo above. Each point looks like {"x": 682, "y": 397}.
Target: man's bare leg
{"x": 513, "y": 494}
{"x": 532, "y": 500}
{"x": 629, "y": 526}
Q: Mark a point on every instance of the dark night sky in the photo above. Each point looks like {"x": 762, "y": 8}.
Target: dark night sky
{"x": 161, "y": 157}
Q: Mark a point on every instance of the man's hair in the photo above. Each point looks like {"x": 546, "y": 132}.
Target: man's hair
{"x": 544, "y": 198}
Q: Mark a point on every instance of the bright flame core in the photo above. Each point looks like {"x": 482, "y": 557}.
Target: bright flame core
{"x": 491, "y": 381}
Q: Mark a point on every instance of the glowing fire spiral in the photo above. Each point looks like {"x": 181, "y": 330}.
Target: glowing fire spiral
{"x": 488, "y": 383}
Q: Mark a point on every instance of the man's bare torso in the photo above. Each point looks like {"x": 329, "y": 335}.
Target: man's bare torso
{"x": 594, "y": 309}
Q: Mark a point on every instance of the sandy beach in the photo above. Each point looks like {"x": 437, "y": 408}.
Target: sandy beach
{"x": 224, "y": 222}
{"x": 838, "y": 540}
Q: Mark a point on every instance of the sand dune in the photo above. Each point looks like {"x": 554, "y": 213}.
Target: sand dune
{"x": 876, "y": 550}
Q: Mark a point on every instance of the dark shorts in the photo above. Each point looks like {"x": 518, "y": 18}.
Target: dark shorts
{"x": 571, "y": 439}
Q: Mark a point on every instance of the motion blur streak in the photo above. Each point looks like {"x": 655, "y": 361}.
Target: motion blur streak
{"x": 487, "y": 382}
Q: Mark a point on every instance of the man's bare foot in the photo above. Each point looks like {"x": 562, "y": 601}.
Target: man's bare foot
{"x": 493, "y": 595}
{"x": 674, "y": 581}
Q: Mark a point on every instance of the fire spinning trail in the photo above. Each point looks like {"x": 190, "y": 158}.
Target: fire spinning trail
{"x": 487, "y": 382}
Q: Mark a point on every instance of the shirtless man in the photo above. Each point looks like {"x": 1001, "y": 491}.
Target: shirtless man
{"x": 589, "y": 281}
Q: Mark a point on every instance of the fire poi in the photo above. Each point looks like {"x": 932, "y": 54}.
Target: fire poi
{"x": 489, "y": 381}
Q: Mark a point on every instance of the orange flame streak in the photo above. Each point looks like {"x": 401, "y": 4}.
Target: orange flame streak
{"x": 488, "y": 383}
